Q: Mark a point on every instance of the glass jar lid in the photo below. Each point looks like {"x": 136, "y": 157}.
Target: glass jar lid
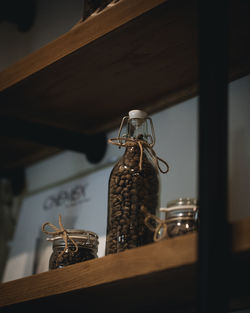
{"x": 182, "y": 202}
{"x": 181, "y": 207}
{"x": 82, "y": 238}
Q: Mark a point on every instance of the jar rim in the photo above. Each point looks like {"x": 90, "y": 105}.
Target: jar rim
{"x": 191, "y": 208}
{"x": 181, "y": 203}
{"x": 91, "y": 243}
{"x": 76, "y": 233}
{"x": 84, "y": 238}
{"x": 61, "y": 244}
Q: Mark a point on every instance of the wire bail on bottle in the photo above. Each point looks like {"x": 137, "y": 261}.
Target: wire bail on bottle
{"x": 152, "y": 137}
{"x": 123, "y": 141}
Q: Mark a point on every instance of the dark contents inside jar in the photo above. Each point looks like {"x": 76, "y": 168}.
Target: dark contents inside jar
{"x": 181, "y": 216}
{"x": 180, "y": 227}
{"x": 59, "y": 260}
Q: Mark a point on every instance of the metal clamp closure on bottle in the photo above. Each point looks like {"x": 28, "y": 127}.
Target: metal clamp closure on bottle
{"x": 118, "y": 141}
{"x": 142, "y": 145}
{"x": 152, "y": 137}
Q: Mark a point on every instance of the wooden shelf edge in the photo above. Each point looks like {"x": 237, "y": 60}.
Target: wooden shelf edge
{"x": 82, "y": 34}
{"x": 240, "y": 231}
{"x": 165, "y": 255}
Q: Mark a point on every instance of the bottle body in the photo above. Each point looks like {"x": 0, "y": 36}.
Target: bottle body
{"x": 130, "y": 187}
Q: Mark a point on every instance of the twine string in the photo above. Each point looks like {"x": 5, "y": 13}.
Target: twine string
{"x": 160, "y": 224}
{"x": 142, "y": 145}
{"x": 61, "y": 232}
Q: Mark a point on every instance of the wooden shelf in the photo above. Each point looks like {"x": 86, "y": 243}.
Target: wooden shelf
{"x": 134, "y": 54}
{"x": 155, "y": 276}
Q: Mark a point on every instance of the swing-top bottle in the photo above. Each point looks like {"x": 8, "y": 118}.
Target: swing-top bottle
{"x": 133, "y": 183}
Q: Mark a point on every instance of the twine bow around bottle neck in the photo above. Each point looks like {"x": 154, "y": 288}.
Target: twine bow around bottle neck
{"x": 60, "y": 232}
{"x": 118, "y": 141}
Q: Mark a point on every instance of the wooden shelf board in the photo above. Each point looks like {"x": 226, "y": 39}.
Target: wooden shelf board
{"x": 134, "y": 55}
{"x": 91, "y": 87}
{"x": 96, "y": 26}
{"x": 111, "y": 268}
{"x": 164, "y": 268}
{"x": 149, "y": 57}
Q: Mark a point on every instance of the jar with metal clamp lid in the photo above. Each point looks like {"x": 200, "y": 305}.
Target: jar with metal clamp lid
{"x": 79, "y": 246}
{"x": 181, "y": 216}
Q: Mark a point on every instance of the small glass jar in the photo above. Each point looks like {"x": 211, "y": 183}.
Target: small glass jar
{"x": 87, "y": 244}
{"x": 181, "y": 216}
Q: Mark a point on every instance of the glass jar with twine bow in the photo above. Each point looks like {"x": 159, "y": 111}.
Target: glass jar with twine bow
{"x": 181, "y": 217}
{"x": 133, "y": 182}
{"x": 70, "y": 246}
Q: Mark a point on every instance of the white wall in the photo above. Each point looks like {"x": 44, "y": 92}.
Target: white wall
{"x": 54, "y": 18}
{"x": 176, "y": 132}
{"x": 177, "y": 135}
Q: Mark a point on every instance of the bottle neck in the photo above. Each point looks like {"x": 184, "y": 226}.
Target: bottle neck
{"x": 137, "y": 129}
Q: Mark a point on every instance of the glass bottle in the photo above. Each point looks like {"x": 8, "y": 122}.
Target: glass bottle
{"x": 133, "y": 182}
{"x": 87, "y": 246}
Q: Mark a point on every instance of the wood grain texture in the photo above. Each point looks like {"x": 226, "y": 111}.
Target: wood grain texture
{"x": 135, "y": 55}
{"x": 155, "y": 257}
{"x": 166, "y": 267}
{"x": 143, "y": 293}
{"x": 93, "y": 28}
{"x": 145, "y": 60}
{"x": 138, "y": 63}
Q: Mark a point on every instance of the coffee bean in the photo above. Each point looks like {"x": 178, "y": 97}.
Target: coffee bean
{"x": 124, "y": 228}
{"x": 118, "y": 189}
{"x": 133, "y": 207}
{"x": 117, "y": 213}
{"x": 134, "y": 199}
{"x": 128, "y": 177}
{"x": 126, "y": 195}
